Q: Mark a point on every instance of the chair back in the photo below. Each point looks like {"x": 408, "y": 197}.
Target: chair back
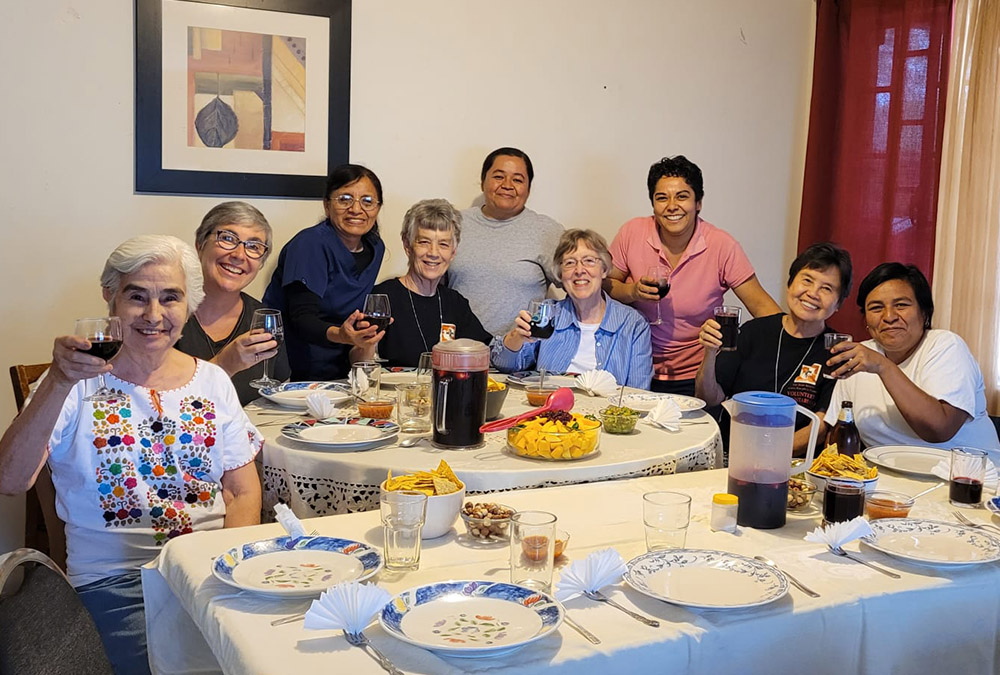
{"x": 44, "y": 628}
{"x": 22, "y": 377}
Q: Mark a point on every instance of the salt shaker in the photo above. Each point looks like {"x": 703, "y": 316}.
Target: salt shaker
{"x": 724, "y": 509}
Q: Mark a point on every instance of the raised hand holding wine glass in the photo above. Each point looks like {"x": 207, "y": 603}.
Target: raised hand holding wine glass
{"x": 267, "y": 321}
{"x": 659, "y": 276}
{"x": 377, "y": 313}
{"x": 105, "y": 337}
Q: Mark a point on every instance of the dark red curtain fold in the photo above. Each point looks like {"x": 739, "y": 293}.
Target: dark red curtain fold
{"x": 875, "y": 127}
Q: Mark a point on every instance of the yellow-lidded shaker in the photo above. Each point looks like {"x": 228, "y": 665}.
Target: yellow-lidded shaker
{"x": 724, "y": 509}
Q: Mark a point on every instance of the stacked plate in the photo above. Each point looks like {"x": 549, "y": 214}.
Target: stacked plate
{"x": 345, "y": 434}
{"x": 293, "y": 394}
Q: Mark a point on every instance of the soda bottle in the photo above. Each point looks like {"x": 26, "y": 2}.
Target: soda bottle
{"x": 845, "y": 432}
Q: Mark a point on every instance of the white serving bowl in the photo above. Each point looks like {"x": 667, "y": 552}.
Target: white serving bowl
{"x": 442, "y": 512}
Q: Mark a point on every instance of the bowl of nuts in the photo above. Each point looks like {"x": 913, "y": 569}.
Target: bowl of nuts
{"x": 487, "y": 521}
{"x": 800, "y": 493}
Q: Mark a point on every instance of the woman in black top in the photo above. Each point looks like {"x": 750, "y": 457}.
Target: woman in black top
{"x": 424, "y": 311}
{"x": 783, "y": 353}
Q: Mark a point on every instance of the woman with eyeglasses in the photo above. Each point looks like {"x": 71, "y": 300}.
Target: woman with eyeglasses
{"x": 324, "y": 274}
{"x": 591, "y": 329}
{"x": 233, "y": 242}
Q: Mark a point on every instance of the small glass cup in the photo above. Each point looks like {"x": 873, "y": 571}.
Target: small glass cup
{"x": 366, "y": 379}
{"x": 666, "y": 516}
{"x": 829, "y": 341}
{"x": 843, "y": 500}
{"x": 425, "y": 368}
{"x": 403, "y": 515}
{"x": 968, "y": 473}
{"x": 532, "y": 549}
{"x": 728, "y": 319}
{"x": 414, "y": 407}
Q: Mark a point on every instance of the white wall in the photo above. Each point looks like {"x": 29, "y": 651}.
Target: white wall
{"x": 595, "y": 92}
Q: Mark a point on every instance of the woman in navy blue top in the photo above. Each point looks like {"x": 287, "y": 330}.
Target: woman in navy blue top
{"x": 324, "y": 274}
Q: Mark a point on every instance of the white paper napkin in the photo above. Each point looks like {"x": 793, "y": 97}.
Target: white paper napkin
{"x": 597, "y": 570}
{"x": 348, "y": 606}
{"x": 666, "y": 414}
{"x": 293, "y": 526}
{"x": 597, "y": 382}
{"x": 319, "y": 405}
{"x": 838, "y": 534}
{"x": 943, "y": 471}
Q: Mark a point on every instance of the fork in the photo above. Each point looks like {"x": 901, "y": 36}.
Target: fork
{"x": 359, "y": 640}
{"x": 600, "y": 597}
{"x": 836, "y": 550}
{"x": 962, "y": 518}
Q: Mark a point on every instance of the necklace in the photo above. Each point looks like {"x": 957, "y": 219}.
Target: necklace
{"x": 777, "y": 358}
{"x": 416, "y": 318}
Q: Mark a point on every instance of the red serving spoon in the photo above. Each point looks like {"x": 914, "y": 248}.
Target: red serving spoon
{"x": 560, "y": 399}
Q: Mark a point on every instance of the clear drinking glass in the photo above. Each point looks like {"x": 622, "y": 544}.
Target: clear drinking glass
{"x": 403, "y": 515}
{"x": 659, "y": 276}
{"x": 366, "y": 380}
{"x": 666, "y": 516}
{"x": 377, "y": 312}
{"x": 414, "y": 407}
{"x": 843, "y": 500}
{"x": 532, "y": 549}
{"x": 105, "y": 336}
{"x": 728, "y": 319}
{"x": 543, "y": 314}
{"x": 425, "y": 368}
{"x": 830, "y": 340}
{"x": 968, "y": 473}
{"x": 267, "y": 321}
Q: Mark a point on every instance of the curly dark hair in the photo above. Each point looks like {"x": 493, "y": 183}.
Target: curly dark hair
{"x": 911, "y": 274}
{"x": 681, "y": 167}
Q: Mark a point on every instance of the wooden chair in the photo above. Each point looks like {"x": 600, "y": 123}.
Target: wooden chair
{"x": 43, "y": 529}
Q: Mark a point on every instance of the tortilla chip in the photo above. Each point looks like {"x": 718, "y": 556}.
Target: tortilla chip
{"x": 443, "y": 486}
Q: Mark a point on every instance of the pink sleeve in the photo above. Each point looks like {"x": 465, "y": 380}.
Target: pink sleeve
{"x": 734, "y": 265}
{"x": 619, "y": 249}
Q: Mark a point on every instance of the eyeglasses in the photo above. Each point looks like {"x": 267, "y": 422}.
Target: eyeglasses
{"x": 345, "y": 202}
{"x": 229, "y": 242}
{"x": 589, "y": 263}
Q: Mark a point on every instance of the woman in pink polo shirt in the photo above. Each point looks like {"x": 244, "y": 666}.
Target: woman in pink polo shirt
{"x": 702, "y": 261}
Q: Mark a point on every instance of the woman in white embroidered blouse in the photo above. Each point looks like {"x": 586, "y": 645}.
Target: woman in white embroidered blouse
{"x": 170, "y": 452}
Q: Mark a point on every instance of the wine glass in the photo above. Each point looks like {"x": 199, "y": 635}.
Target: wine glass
{"x": 658, "y": 276}
{"x": 378, "y": 313}
{"x": 267, "y": 321}
{"x": 105, "y": 336}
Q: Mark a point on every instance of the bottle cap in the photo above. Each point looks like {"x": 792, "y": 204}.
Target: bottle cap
{"x": 725, "y": 499}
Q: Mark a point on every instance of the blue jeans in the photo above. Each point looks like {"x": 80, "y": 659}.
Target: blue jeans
{"x": 115, "y": 603}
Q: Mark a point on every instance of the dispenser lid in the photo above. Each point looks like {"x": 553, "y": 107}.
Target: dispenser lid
{"x": 765, "y": 402}
{"x": 462, "y": 355}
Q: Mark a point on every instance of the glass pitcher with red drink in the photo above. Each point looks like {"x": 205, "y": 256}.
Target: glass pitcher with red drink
{"x": 458, "y": 392}
{"x": 761, "y": 434}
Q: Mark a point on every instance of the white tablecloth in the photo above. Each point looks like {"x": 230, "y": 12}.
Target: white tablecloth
{"x": 933, "y": 620}
{"x": 314, "y": 482}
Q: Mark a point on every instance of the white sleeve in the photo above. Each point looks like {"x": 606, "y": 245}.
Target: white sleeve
{"x": 64, "y": 431}
{"x": 948, "y": 372}
{"x": 840, "y": 394}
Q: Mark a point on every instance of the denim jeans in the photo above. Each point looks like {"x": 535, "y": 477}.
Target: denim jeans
{"x": 115, "y": 603}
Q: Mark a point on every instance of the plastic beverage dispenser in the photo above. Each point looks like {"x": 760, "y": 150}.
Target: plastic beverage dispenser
{"x": 761, "y": 435}
{"x": 458, "y": 407}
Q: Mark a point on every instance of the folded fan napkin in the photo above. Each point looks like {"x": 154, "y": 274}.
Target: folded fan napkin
{"x": 293, "y": 526}
{"x": 597, "y": 570}
{"x": 319, "y": 405}
{"x": 666, "y": 414}
{"x": 838, "y": 534}
{"x": 348, "y": 606}
{"x": 943, "y": 471}
{"x": 597, "y": 382}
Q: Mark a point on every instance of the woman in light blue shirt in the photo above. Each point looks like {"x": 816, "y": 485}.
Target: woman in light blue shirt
{"x": 591, "y": 329}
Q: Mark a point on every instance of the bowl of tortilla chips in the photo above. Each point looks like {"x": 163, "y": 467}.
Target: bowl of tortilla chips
{"x": 445, "y": 495}
{"x": 831, "y": 464}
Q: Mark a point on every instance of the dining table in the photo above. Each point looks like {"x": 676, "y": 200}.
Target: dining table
{"x": 933, "y": 619}
{"x": 316, "y": 480}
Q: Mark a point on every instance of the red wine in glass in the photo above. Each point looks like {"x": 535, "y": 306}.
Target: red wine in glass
{"x": 377, "y": 312}
{"x": 965, "y": 490}
{"x": 104, "y": 348}
{"x": 662, "y": 288}
{"x": 380, "y": 322}
{"x": 728, "y": 319}
{"x": 105, "y": 337}
{"x": 659, "y": 276}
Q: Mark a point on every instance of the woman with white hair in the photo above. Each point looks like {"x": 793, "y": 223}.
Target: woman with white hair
{"x": 171, "y": 452}
{"x": 233, "y": 242}
{"x": 424, "y": 311}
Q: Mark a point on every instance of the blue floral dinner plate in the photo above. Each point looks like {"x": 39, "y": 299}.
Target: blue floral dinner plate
{"x": 293, "y": 394}
{"x": 471, "y": 619}
{"x": 993, "y": 505}
{"x": 343, "y": 433}
{"x": 303, "y": 567}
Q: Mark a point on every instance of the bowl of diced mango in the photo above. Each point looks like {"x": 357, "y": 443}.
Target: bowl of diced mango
{"x": 555, "y": 435}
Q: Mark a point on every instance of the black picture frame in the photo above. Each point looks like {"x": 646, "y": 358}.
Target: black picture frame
{"x": 151, "y": 177}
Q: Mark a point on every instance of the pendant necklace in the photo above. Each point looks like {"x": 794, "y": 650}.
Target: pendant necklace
{"x": 416, "y": 318}
{"x": 777, "y": 358}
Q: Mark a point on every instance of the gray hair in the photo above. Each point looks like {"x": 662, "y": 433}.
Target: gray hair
{"x": 232, "y": 213}
{"x": 432, "y": 214}
{"x": 136, "y": 252}
{"x": 568, "y": 242}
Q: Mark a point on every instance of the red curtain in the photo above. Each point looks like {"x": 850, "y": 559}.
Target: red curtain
{"x": 875, "y": 129}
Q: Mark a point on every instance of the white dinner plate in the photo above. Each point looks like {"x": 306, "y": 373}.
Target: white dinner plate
{"x": 911, "y": 460}
{"x": 348, "y": 433}
{"x": 644, "y": 402}
{"x": 525, "y": 377}
{"x": 705, "y": 579}
{"x": 302, "y": 567}
{"x": 932, "y": 542}
{"x": 395, "y": 376}
{"x": 293, "y": 394}
{"x": 471, "y": 619}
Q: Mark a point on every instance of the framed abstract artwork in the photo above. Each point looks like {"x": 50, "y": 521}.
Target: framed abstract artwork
{"x": 241, "y": 97}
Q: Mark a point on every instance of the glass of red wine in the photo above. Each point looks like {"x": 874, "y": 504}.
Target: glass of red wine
{"x": 377, "y": 312}
{"x": 968, "y": 473}
{"x": 267, "y": 321}
{"x": 843, "y": 500}
{"x": 105, "y": 336}
{"x": 659, "y": 276}
{"x": 543, "y": 313}
{"x": 728, "y": 319}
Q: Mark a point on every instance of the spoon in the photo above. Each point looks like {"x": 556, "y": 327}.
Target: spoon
{"x": 561, "y": 399}
{"x": 930, "y": 489}
{"x": 798, "y": 584}
{"x": 410, "y": 442}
